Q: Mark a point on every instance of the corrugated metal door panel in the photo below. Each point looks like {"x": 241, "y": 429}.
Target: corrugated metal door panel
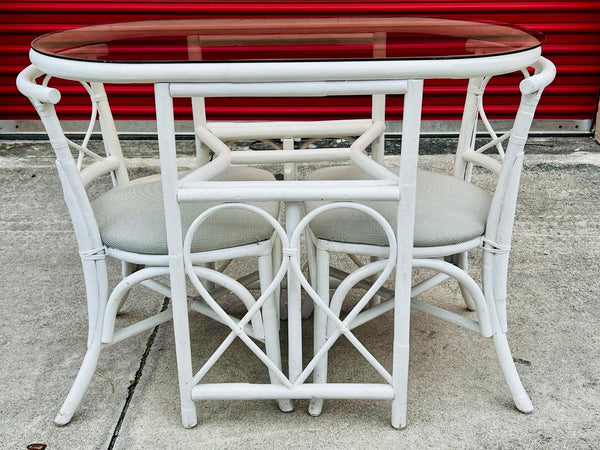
{"x": 573, "y": 44}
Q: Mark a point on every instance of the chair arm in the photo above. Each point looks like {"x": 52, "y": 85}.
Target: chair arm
{"x": 545, "y": 73}
{"x": 29, "y": 88}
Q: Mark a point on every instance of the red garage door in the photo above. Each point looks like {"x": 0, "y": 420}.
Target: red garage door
{"x": 573, "y": 44}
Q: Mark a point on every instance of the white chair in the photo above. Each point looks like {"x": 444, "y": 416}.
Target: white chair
{"x": 452, "y": 217}
{"x": 127, "y": 222}
{"x": 201, "y": 185}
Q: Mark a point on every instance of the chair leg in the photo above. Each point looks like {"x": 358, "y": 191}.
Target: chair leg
{"x": 490, "y": 274}
{"x": 127, "y": 269}
{"x": 209, "y": 285}
{"x": 376, "y": 300}
{"x": 520, "y": 397}
{"x": 311, "y": 248}
{"x": 183, "y": 351}
{"x": 320, "y": 326}
{"x": 462, "y": 261}
{"x": 276, "y": 259}
{"x": 311, "y": 258}
{"x": 96, "y": 291}
{"x": 271, "y": 324}
{"x": 81, "y": 383}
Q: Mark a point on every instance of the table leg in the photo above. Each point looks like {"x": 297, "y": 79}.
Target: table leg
{"x": 168, "y": 166}
{"x": 411, "y": 124}
{"x": 294, "y": 298}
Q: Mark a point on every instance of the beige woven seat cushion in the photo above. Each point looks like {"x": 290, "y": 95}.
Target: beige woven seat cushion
{"x": 131, "y": 218}
{"x": 448, "y": 211}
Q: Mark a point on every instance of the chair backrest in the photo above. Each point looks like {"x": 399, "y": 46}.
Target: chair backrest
{"x": 224, "y": 130}
{"x": 281, "y": 134}
{"x": 509, "y": 165}
{"x": 75, "y": 173}
{"x": 214, "y": 135}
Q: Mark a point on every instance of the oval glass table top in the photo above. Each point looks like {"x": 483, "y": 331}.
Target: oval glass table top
{"x": 287, "y": 39}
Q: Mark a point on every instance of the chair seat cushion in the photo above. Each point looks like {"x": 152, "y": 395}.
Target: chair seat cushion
{"x": 448, "y": 211}
{"x": 131, "y": 217}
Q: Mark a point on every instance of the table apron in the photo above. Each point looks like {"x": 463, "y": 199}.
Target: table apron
{"x": 113, "y": 72}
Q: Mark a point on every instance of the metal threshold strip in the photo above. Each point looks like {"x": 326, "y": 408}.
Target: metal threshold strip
{"x": 131, "y": 129}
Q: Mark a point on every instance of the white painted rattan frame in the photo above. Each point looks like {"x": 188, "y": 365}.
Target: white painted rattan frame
{"x": 489, "y": 301}
{"x": 267, "y": 72}
{"x": 102, "y": 305}
{"x": 197, "y": 186}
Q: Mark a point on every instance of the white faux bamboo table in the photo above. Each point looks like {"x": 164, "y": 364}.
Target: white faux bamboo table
{"x": 276, "y": 57}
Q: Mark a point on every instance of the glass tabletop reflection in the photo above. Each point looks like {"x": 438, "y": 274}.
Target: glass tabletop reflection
{"x": 287, "y": 39}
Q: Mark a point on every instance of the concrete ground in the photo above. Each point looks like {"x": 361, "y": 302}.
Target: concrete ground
{"x": 457, "y": 395}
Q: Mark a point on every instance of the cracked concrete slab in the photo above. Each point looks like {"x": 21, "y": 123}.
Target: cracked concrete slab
{"x": 43, "y": 337}
{"x": 457, "y": 396}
